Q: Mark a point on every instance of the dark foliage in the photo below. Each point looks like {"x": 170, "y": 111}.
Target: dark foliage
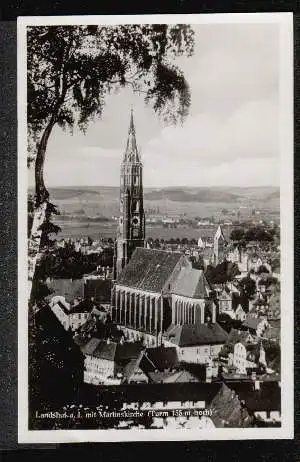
{"x": 66, "y": 262}
{"x": 71, "y": 70}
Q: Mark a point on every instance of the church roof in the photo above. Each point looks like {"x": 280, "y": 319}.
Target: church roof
{"x": 188, "y": 335}
{"x": 149, "y": 269}
{"x": 191, "y": 283}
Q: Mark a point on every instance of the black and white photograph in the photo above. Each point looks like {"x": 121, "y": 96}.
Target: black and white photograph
{"x": 155, "y": 227}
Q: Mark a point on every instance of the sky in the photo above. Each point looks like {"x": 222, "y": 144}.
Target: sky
{"x": 230, "y": 138}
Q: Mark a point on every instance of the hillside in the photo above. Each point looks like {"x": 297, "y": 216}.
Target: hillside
{"x": 103, "y": 201}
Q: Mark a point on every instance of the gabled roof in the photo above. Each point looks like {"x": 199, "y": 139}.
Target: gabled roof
{"x": 188, "y": 335}
{"x": 149, "y": 269}
{"x": 112, "y": 351}
{"x": 219, "y": 233}
{"x": 227, "y": 409}
{"x": 191, "y": 283}
{"x": 160, "y": 359}
{"x": 236, "y": 336}
{"x": 90, "y": 347}
{"x": 172, "y": 377}
{"x": 128, "y": 351}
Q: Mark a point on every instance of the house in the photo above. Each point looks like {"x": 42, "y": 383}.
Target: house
{"x": 254, "y": 262}
{"x": 105, "y": 361}
{"x": 132, "y": 372}
{"x": 259, "y": 305}
{"x": 273, "y": 311}
{"x": 162, "y": 359}
{"x": 71, "y": 316}
{"x": 200, "y": 343}
{"x": 239, "y": 313}
{"x": 262, "y": 399}
{"x": 255, "y": 325}
{"x": 248, "y": 356}
{"x": 225, "y": 302}
{"x": 273, "y": 331}
{"x": 235, "y": 336}
{"x": 239, "y": 257}
{"x": 228, "y": 410}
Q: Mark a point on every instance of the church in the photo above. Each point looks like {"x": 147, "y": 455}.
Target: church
{"x": 153, "y": 289}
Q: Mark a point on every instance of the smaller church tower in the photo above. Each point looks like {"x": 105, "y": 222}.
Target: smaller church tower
{"x": 131, "y": 226}
{"x": 219, "y": 247}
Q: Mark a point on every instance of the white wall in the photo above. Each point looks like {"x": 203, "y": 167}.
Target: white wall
{"x": 201, "y": 354}
{"x": 97, "y": 370}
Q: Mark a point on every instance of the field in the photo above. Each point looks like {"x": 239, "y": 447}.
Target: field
{"x": 99, "y": 201}
{"x": 101, "y": 230}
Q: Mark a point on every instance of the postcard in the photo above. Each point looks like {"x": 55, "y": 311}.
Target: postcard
{"x": 155, "y": 161}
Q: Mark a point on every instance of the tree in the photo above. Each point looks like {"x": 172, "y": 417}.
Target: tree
{"x": 237, "y": 234}
{"x": 248, "y": 287}
{"x": 71, "y": 69}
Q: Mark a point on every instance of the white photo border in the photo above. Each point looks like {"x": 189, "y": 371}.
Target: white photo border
{"x": 286, "y": 431}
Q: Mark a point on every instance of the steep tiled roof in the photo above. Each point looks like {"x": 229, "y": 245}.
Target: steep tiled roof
{"x": 236, "y": 336}
{"x": 172, "y": 377}
{"x": 120, "y": 353}
{"x": 90, "y": 347}
{"x": 227, "y": 410}
{"x": 106, "y": 351}
{"x": 149, "y": 269}
{"x": 191, "y": 283}
{"x": 160, "y": 359}
{"x": 198, "y": 334}
{"x": 128, "y": 351}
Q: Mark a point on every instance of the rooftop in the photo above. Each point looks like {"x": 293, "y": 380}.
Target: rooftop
{"x": 189, "y": 335}
{"x": 149, "y": 269}
{"x": 191, "y": 283}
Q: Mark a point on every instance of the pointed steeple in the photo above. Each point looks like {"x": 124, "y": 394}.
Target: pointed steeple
{"x": 131, "y": 153}
{"x": 219, "y": 233}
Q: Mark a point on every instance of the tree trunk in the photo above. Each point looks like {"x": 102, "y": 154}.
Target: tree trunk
{"x": 40, "y": 207}
{"x": 40, "y": 189}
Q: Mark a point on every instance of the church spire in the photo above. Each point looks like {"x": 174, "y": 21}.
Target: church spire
{"x": 131, "y": 153}
{"x": 131, "y": 228}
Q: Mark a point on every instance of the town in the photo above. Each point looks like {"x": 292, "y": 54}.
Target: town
{"x": 185, "y": 329}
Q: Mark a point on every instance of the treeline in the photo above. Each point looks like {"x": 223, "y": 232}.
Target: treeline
{"x": 83, "y": 218}
{"x": 157, "y": 243}
{"x": 255, "y": 233}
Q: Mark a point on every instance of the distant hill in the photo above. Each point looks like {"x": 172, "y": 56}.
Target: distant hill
{"x": 103, "y": 201}
{"x": 183, "y": 195}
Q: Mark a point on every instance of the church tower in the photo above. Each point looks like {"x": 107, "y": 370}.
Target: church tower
{"x": 131, "y": 226}
{"x": 219, "y": 247}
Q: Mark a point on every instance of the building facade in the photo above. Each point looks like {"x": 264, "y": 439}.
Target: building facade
{"x": 157, "y": 289}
